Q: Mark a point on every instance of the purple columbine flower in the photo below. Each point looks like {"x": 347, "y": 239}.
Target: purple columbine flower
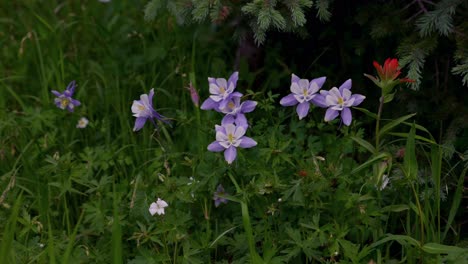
{"x": 217, "y": 197}
{"x": 228, "y": 138}
{"x": 303, "y": 93}
{"x": 234, "y": 112}
{"x": 143, "y": 110}
{"x": 221, "y": 92}
{"x": 64, "y": 100}
{"x": 339, "y": 100}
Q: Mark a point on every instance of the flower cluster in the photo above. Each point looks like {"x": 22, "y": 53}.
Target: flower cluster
{"x": 387, "y": 75}
{"x": 336, "y": 100}
{"x": 230, "y": 134}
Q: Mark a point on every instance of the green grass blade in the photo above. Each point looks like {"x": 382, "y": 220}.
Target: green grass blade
{"x": 364, "y": 143}
{"x": 116, "y": 233}
{"x": 409, "y": 162}
{"x": 9, "y": 234}
{"x": 50, "y": 242}
{"x": 371, "y": 161}
{"x": 455, "y": 203}
{"x": 393, "y": 124}
{"x": 71, "y": 242}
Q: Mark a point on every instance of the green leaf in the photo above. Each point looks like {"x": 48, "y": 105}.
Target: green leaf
{"x": 395, "y": 208}
{"x": 405, "y": 135}
{"x": 393, "y": 124}
{"x": 371, "y": 161}
{"x": 364, "y": 143}
{"x": 435, "y": 248}
{"x": 410, "y": 163}
{"x": 388, "y": 98}
{"x": 367, "y": 112}
{"x": 402, "y": 239}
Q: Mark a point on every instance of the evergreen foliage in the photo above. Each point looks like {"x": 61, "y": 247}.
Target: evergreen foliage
{"x": 261, "y": 16}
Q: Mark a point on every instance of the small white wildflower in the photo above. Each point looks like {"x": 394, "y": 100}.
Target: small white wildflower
{"x": 104, "y": 1}
{"x": 82, "y": 123}
{"x": 280, "y": 200}
{"x": 158, "y": 207}
{"x": 385, "y": 181}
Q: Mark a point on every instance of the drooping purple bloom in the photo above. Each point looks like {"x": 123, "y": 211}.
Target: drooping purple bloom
{"x": 338, "y": 101}
{"x": 221, "y": 92}
{"x": 303, "y": 93}
{"x": 64, "y": 100}
{"x": 193, "y": 94}
{"x": 228, "y": 138}
{"x": 217, "y": 197}
{"x": 143, "y": 110}
{"x": 235, "y": 110}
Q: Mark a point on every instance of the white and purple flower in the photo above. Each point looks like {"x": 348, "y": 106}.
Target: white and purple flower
{"x": 221, "y": 92}
{"x": 338, "y": 101}
{"x": 64, "y": 100}
{"x": 303, "y": 93}
{"x": 82, "y": 123}
{"x": 235, "y": 110}
{"x": 143, "y": 110}
{"x": 218, "y": 196}
{"x": 158, "y": 207}
{"x": 228, "y": 138}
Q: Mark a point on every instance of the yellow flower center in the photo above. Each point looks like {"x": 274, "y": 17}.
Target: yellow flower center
{"x": 64, "y": 103}
{"x": 231, "y": 105}
{"x": 305, "y": 92}
{"x": 141, "y": 107}
{"x": 340, "y": 100}
{"x": 222, "y": 89}
{"x": 230, "y": 137}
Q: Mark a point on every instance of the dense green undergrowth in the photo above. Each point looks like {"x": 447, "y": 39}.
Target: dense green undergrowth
{"x": 309, "y": 192}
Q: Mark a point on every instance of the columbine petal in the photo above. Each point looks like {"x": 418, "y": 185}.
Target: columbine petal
{"x": 294, "y": 78}
{"x": 289, "y": 100}
{"x": 232, "y": 82}
{"x": 150, "y": 97}
{"x": 241, "y": 121}
{"x": 248, "y": 106}
{"x": 247, "y": 142}
{"x": 228, "y": 119}
{"x": 230, "y": 154}
{"x": 330, "y": 114}
{"x": 56, "y": 93}
{"x": 215, "y": 147}
{"x": 346, "y": 116}
{"x": 139, "y": 123}
{"x": 295, "y": 88}
{"x": 346, "y": 85}
{"x": 358, "y": 98}
{"x": 319, "y": 100}
{"x": 302, "y": 109}
{"x": 239, "y": 132}
{"x": 222, "y": 83}
{"x": 209, "y": 104}
{"x": 319, "y": 81}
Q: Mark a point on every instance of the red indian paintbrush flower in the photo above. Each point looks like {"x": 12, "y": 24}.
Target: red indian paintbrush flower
{"x": 388, "y": 75}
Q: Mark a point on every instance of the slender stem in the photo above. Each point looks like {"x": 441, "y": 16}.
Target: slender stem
{"x": 421, "y": 223}
{"x": 377, "y": 125}
{"x": 246, "y": 221}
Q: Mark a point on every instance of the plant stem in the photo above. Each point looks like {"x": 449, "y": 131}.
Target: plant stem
{"x": 421, "y": 222}
{"x": 246, "y": 221}
{"x": 377, "y": 125}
